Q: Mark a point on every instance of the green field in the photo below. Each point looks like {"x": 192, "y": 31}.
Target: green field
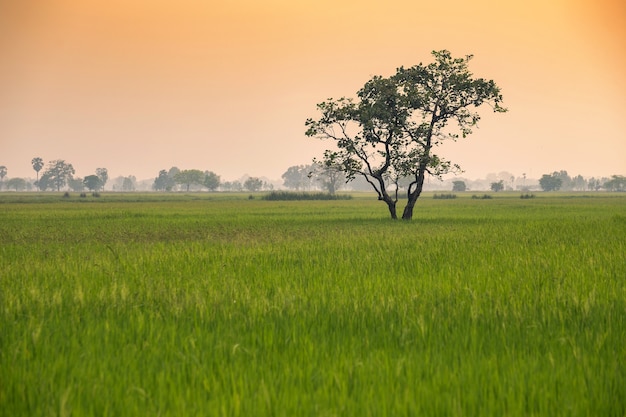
{"x": 219, "y": 305}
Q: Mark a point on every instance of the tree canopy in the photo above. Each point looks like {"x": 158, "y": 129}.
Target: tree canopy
{"x": 391, "y": 130}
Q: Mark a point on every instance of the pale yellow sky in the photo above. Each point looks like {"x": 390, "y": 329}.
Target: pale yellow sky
{"x": 142, "y": 85}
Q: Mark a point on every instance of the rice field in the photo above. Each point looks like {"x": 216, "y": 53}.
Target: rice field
{"x": 221, "y": 305}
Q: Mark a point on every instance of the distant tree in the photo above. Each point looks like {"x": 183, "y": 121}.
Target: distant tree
{"x": 579, "y": 183}
{"x": 232, "y": 186}
{"x": 566, "y": 180}
{"x": 93, "y": 182}
{"x": 393, "y": 129}
{"x": 17, "y": 184}
{"x": 298, "y": 177}
{"x": 103, "y": 174}
{"x": 58, "y": 173}
{"x": 76, "y": 184}
{"x": 331, "y": 177}
{"x": 497, "y": 186}
{"x": 458, "y": 186}
{"x": 551, "y": 182}
{"x": 128, "y": 183}
{"x": 211, "y": 180}
{"x": 37, "y": 163}
{"x": 594, "y": 184}
{"x": 171, "y": 182}
{"x": 3, "y": 173}
{"x": 617, "y": 183}
{"x": 189, "y": 177}
{"x": 253, "y": 184}
{"x": 44, "y": 182}
{"x": 160, "y": 182}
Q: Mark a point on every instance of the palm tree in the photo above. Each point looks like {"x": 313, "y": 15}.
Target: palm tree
{"x": 37, "y": 165}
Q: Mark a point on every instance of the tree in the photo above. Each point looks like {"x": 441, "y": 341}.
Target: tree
{"x": 617, "y": 183}
{"x": 298, "y": 177}
{"x": 57, "y": 174}
{"x": 330, "y": 176}
{"x": 171, "y": 175}
{"x": 550, "y": 182}
{"x": 253, "y": 184}
{"x": 566, "y": 181}
{"x": 497, "y": 186}
{"x": 93, "y": 182}
{"x": 393, "y": 128}
{"x": 103, "y": 174}
{"x": 37, "y": 163}
{"x": 3, "y": 173}
{"x": 459, "y": 186}
{"x": 232, "y": 186}
{"x": 211, "y": 180}
{"x": 160, "y": 182}
{"x": 188, "y": 177}
{"x": 76, "y": 184}
{"x": 128, "y": 183}
{"x": 18, "y": 184}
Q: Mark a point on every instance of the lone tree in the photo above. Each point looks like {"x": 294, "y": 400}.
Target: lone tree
{"x": 391, "y": 130}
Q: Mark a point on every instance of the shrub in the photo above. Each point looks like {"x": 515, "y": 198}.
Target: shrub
{"x": 66, "y": 195}
{"x": 290, "y": 195}
{"x": 481, "y": 197}
{"x": 526, "y": 196}
{"x": 83, "y": 195}
{"x": 444, "y": 196}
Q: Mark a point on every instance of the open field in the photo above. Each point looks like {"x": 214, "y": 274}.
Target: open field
{"x": 199, "y": 304}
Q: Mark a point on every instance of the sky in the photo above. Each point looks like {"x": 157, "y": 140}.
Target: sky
{"x": 137, "y": 86}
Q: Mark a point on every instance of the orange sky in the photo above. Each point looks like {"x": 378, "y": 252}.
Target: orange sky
{"x": 142, "y": 85}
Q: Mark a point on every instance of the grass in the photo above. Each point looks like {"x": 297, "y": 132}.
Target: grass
{"x": 206, "y": 305}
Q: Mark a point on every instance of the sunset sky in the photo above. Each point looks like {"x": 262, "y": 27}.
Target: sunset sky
{"x": 137, "y": 86}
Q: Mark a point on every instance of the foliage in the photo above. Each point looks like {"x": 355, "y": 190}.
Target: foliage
{"x": 3, "y": 173}
{"x": 93, "y": 182}
{"x": 290, "y": 195}
{"x": 56, "y": 175}
{"x": 128, "y": 183}
{"x": 617, "y": 183}
{"x": 527, "y": 196}
{"x": 76, "y": 184}
{"x": 17, "y": 184}
{"x": 37, "y": 164}
{"x": 161, "y": 181}
{"x": 189, "y": 177}
{"x": 331, "y": 176}
{"x": 459, "y": 186}
{"x": 103, "y": 174}
{"x": 392, "y": 130}
{"x": 298, "y": 177}
{"x": 180, "y": 308}
{"x": 481, "y": 197}
{"x": 444, "y": 196}
{"x": 497, "y": 186}
{"x": 211, "y": 180}
{"x": 253, "y": 184}
{"x": 551, "y": 182}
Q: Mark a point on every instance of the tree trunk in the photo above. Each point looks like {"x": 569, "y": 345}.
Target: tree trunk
{"x": 392, "y": 208}
{"x": 407, "y": 214}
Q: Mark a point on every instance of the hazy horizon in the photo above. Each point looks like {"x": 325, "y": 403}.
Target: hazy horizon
{"x": 138, "y": 86}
